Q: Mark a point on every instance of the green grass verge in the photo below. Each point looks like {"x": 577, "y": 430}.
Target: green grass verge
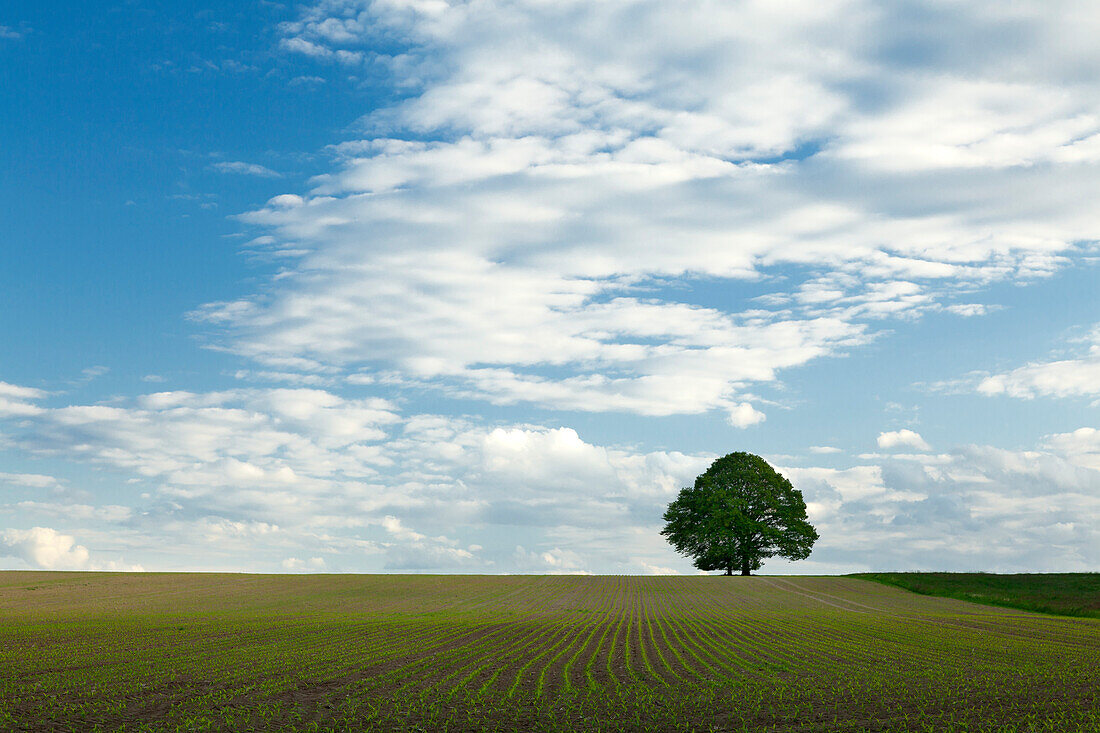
{"x": 1063, "y": 594}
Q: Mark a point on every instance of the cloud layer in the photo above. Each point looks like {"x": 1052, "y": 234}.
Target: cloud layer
{"x": 44, "y": 548}
{"x": 303, "y": 480}
{"x": 652, "y": 208}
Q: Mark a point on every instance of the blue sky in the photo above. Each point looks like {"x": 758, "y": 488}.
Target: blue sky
{"x": 421, "y": 286}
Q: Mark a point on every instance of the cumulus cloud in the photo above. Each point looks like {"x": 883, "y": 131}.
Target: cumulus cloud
{"x": 415, "y": 551}
{"x": 976, "y": 508}
{"x": 45, "y": 548}
{"x": 743, "y": 414}
{"x": 313, "y": 564}
{"x": 903, "y": 438}
{"x": 1082, "y": 446}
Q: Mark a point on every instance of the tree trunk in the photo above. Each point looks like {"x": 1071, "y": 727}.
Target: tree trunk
{"x": 745, "y": 567}
{"x": 729, "y": 569}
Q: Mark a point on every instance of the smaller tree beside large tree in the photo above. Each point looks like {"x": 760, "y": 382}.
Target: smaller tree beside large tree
{"x": 740, "y": 512}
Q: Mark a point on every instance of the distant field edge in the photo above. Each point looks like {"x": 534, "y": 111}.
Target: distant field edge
{"x": 1058, "y": 594}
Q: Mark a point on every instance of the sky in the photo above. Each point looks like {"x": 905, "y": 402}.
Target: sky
{"x": 477, "y": 287}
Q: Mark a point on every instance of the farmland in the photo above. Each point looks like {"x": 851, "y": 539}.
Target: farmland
{"x": 81, "y": 651}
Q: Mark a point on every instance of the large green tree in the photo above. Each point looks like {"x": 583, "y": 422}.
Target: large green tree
{"x": 739, "y": 512}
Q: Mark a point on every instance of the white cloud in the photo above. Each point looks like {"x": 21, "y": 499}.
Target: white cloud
{"x": 743, "y": 415}
{"x": 555, "y": 561}
{"x": 903, "y": 438}
{"x": 1065, "y": 378}
{"x": 419, "y": 557}
{"x": 1082, "y": 446}
{"x": 44, "y": 548}
{"x": 988, "y": 123}
{"x": 116, "y": 566}
{"x": 651, "y": 569}
{"x": 241, "y": 434}
{"x": 303, "y": 471}
{"x": 508, "y": 231}
{"x": 221, "y": 530}
{"x": 307, "y": 81}
{"x": 557, "y": 463}
{"x": 825, "y": 449}
{"x": 16, "y": 401}
{"x": 313, "y": 564}
{"x": 969, "y": 310}
{"x": 300, "y": 45}
{"x": 242, "y": 474}
{"x": 977, "y": 508}
{"x": 31, "y": 480}
{"x": 107, "y": 513}
{"x": 245, "y": 169}
{"x": 399, "y": 531}
{"x": 92, "y": 372}
{"x": 849, "y": 485}
{"x": 1077, "y": 377}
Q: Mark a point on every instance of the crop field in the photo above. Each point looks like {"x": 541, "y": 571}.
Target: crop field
{"x": 97, "y": 651}
{"x": 1067, "y": 594}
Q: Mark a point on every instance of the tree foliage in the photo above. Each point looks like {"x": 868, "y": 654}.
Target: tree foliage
{"x": 739, "y": 513}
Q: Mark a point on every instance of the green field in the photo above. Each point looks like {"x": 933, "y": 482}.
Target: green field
{"x": 1068, "y": 594}
{"x": 88, "y": 651}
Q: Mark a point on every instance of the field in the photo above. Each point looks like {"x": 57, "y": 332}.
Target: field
{"x": 1069, "y": 594}
{"x": 88, "y": 651}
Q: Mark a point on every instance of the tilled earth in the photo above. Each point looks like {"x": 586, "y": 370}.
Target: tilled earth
{"x": 88, "y": 651}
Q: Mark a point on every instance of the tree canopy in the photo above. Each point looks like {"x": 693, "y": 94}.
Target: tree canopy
{"x": 740, "y": 512}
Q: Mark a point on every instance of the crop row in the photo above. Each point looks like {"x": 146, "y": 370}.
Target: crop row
{"x": 554, "y": 653}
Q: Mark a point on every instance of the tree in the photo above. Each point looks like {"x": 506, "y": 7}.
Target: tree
{"x": 739, "y": 512}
